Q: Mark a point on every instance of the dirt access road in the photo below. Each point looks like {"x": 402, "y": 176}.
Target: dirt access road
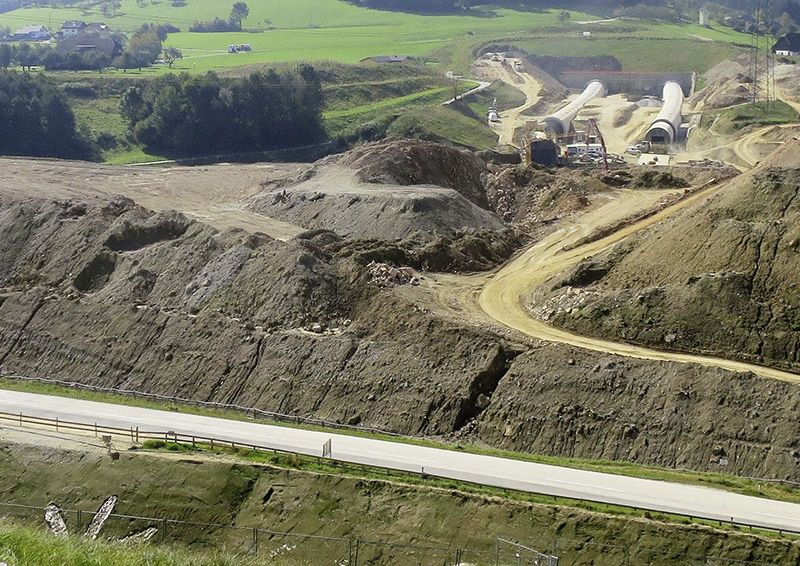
{"x": 215, "y": 195}
{"x": 499, "y": 300}
{"x": 513, "y": 119}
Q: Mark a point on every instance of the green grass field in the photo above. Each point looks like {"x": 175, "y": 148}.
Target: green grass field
{"x": 24, "y": 546}
{"x": 311, "y": 30}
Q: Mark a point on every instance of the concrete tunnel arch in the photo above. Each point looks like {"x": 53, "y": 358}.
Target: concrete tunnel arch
{"x": 665, "y": 127}
{"x": 561, "y": 122}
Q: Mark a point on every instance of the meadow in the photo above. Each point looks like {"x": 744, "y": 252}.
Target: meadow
{"x": 310, "y": 30}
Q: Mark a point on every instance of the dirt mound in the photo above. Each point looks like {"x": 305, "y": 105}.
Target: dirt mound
{"x": 334, "y": 200}
{"x": 719, "y": 278}
{"x": 415, "y": 162}
{"x": 389, "y": 190}
{"x": 727, "y": 84}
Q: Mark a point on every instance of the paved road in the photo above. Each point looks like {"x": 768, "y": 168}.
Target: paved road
{"x": 486, "y": 470}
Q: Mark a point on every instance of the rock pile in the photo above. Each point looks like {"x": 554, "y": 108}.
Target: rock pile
{"x": 385, "y": 275}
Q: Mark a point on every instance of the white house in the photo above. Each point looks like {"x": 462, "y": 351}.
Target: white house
{"x": 788, "y": 45}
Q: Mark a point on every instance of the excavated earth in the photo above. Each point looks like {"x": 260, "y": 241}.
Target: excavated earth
{"x": 720, "y": 278}
{"x": 100, "y": 290}
{"x": 387, "y": 190}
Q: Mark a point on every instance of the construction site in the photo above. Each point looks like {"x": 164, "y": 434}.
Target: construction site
{"x": 579, "y": 346}
{"x": 605, "y": 117}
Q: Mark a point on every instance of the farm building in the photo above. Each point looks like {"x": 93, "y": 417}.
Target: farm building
{"x": 101, "y": 44}
{"x": 72, "y": 28}
{"x": 31, "y": 33}
{"x": 788, "y": 45}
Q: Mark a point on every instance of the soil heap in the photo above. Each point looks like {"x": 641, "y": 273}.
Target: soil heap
{"x": 388, "y": 190}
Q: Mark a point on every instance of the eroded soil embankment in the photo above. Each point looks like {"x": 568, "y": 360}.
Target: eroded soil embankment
{"x": 230, "y": 317}
{"x": 244, "y": 495}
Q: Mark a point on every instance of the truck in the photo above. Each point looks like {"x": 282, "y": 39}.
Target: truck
{"x": 587, "y": 149}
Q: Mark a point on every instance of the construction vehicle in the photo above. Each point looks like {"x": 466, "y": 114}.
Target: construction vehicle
{"x": 493, "y": 115}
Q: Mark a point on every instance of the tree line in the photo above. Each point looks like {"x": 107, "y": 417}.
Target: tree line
{"x": 185, "y": 115}
{"x": 239, "y": 11}
{"x": 781, "y": 15}
{"x": 36, "y": 120}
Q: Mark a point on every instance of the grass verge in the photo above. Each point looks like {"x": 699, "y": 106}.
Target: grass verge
{"x": 359, "y": 472}
{"x": 730, "y": 120}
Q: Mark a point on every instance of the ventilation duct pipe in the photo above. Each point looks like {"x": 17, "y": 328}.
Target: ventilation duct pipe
{"x": 561, "y": 122}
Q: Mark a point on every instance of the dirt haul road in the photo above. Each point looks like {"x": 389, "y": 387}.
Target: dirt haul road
{"x": 502, "y": 297}
{"x": 513, "y": 119}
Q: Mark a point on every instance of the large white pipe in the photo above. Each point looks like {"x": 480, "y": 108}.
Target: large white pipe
{"x": 666, "y": 125}
{"x": 561, "y": 121}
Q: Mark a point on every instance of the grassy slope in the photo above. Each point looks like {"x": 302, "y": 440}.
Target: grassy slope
{"x": 638, "y": 54}
{"x": 445, "y": 124}
{"x": 730, "y": 120}
{"x": 22, "y": 546}
{"x": 304, "y": 496}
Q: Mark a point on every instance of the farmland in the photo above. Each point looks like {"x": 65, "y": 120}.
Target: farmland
{"x": 311, "y": 30}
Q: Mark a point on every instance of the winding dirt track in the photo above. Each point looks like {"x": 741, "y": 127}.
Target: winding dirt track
{"x": 501, "y": 297}
{"x": 513, "y": 119}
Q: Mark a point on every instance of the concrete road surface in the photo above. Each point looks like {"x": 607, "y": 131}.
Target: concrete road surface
{"x": 486, "y": 470}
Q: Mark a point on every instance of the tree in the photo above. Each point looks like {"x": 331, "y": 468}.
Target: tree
{"x": 239, "y": 11}
{"x": 142, "y": 50}
{"x": 6, "y": 55}
{"x": 26, "y": 57}
{"x": 125, "y": 61}
{"x": 786, "y": 24}
{"x": 564, "y": 16}
{"x": 172, "y": 54}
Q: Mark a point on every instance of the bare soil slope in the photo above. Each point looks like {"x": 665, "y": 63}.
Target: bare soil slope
{"x": 120, "y": 296}
{"x": 719, "y": 278}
